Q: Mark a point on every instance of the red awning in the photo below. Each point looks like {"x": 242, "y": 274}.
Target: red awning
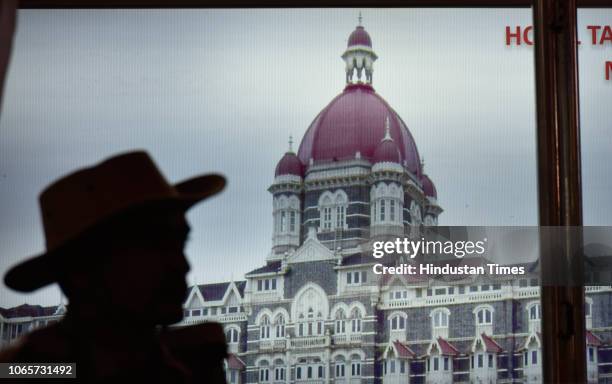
{"x": 447, "y": 348}
{"x": 403, "y": 350}
{"x": 490, "y": 344}
{"x": 592, "y": 339}
{"x": 234, "y": 362}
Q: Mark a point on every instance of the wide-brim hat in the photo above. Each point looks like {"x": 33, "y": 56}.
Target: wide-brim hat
{"x": 78, "y": 203}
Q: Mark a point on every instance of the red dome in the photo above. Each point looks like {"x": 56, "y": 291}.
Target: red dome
{"x": 387, "y": 151}
{"x": 289, "y": 165}
{"x": 428, "y": 187}
{"x": 353, "y": 122}
{"x": 359, "y": 37}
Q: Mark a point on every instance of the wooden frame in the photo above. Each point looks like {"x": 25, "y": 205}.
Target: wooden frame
{"x": 290, "y": 4}
{"x": 558, "y": 145}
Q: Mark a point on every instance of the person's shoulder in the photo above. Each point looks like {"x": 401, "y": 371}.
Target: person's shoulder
{"x": 48, "y": 344}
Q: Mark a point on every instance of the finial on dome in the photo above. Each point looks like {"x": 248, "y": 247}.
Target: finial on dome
{"x": 422, "y": 163}
{"x": 387, "y": 130}
{"x": 359, "y": 18}
{"x": 290, "y": 144}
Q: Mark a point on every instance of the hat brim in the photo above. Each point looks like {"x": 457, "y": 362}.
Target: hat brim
{"x": 43, "y": 269}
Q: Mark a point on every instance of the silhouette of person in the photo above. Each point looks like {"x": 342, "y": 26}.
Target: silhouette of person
{"x": 115, "y": 234}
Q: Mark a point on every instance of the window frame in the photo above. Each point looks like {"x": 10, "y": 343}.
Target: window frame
{"x": 558, "y": 147}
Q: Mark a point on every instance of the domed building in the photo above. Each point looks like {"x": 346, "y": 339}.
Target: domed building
{"x": 316, "y": 313}
{"x": 357, "y": 175}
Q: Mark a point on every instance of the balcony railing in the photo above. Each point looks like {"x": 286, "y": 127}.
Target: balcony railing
{"x": 522, "y": 293}
{"x": 310, "y": 342}
{"x": 310, "y": 381}
{"x": 273, "y": 345}
{"x": 397, "y": 303}
{"x": 354, "y": 381}
{"x": 474, "y": 297}
{"x": 226, "y": 318}
{"x": 257, "y": 297}
{"x": 232, "y": 317}
{"x": 347, "y": 339}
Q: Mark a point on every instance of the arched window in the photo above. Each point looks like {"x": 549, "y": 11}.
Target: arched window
{"x": 340, "y": 367}
{"x": 439, "y": 318}
{"x": 534, "y": 311}
{"x": 534, "y": 316}
{"x": 232, "y": 335}
{"x": 355, "y": 321}
{"x": 398, "y": 322}
{"x": 386, "y": 203}
{"x": 264, "y": 372}
{"x": 355, "y": 366}
{"x": 310, "y": 308}
{"x": 286, "y": 215}
{"x": 279, "y": 324}
{"x": 340, "y": 322}
{"x": 279, "y": 374}
{"x": 279, "y": 370}
{"x": 264, "y": 329}
{"x": 311, "y": 324}
{"x": 439, "y": 322}
{"x": 484, "y": 315}
{"x": 332, "y": 209}
{"x": 309, "y": 369}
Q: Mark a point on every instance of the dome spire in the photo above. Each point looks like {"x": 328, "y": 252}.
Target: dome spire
{"x": 359, "y": 55}
{"x": 387, "y": 150}
{"x": 290, "y": 144}
{"x": 387, "y": 130}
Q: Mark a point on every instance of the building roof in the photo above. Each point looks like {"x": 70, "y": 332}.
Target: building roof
{"x": 524, "y": 344}
{"x": 352, "y": 122}
{"x": 403, "y": 350}
{"x": 270, "y": 267}
{"x": 490, "y": 344}
{"x": 213, "y": 292}
{"x": 387, "y": 151}
{"x": 359, "y": 37}
{"x": 446, "y": 348}
{"x": 27, "y": 310}
{"x": 234, "y": 362}
{"x": 216, "y": 291}
{"x": 240, "y": 285}
{"x": 592, "y": 339}
{"x": 289, "y": 164}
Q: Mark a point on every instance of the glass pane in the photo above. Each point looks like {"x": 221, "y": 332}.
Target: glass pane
{"x": 384, "y": 124}
{"x": 595, "y": 81}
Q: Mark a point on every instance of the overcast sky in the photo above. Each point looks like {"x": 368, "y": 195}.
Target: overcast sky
{"x": 222, "y": 91}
